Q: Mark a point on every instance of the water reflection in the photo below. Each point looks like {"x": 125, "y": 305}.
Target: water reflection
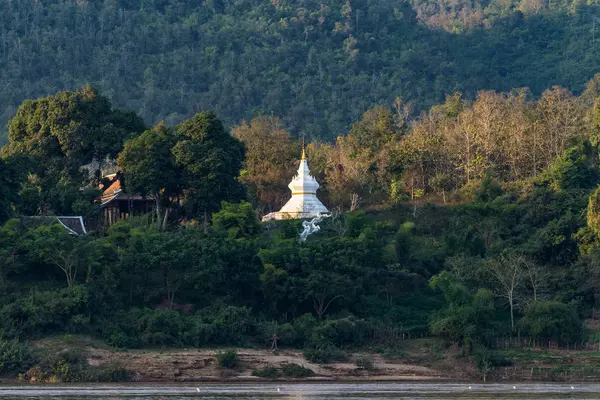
{"x": 329, "y": 391}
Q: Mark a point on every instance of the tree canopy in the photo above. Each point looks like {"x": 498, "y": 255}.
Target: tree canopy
{"x": 318, "y": 65}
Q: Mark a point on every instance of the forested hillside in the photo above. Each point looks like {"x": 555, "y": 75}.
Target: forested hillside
{"x": 318, "y": 65}
{"x": 469, "y": 216}
{"x": 477, "y": 223}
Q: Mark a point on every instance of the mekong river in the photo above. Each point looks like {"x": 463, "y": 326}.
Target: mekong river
{"x": 313, "y": 391}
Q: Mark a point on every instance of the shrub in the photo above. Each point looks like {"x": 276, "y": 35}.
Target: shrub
{"x": 15, "y": 357}
{"x": 267, "y": 372}
{"x": 44, "y": 312}
{"x": 296, "y": 371}
{"x": 238, "y": 219}
{"x": 121, "y": 331}
{"x": 66, "y": 366}
{"x": 222, "y": 325}
{"x": 110, "y": 373}
{"x": 365, "y": 363}
{"x": 115, "y": 337}
{"x": 325, "y": 355}
{"x": 286, "y": 334}
{"x": 303, "y": 328}
{"x": 392, "y": 353}
{"x": 71, "y": 366}
{"x": 160, "y": 327}
{"x": 227, "y": 359}
{"x": 552, "y": 320}
{"x": 340, "y": 332}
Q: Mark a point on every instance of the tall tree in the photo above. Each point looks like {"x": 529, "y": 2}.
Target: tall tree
{"x": 270, "y": 157}
{"x": 211, "y": 160}
{"x": 149, "y": 168}
{"x": 508, "y": 273}
{"x": 57, "y": 136}
{"x": 62, "y": 133}
{"x": 53, "y": 245}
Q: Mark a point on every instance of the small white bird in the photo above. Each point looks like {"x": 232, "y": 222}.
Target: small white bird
{"x": 514, "y": 387}
{"x": 469, "y": 387}
{"x": 198, "y": 390}
{"x": 572, "y": 387}
{"x": 279, "y": 390}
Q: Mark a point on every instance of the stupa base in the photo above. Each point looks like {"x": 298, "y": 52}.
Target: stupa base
{"x": 278, "y": 215}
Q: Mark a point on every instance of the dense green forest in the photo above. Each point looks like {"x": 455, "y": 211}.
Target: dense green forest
{"x": 478, "y": 221}
{"x": 464, "y": 205}
{"x": 318, "y": 65}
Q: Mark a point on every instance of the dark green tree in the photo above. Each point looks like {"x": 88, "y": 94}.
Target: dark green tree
{"x": 55, "y": 137}
{"x": 210, "y": 159}
{"x": 552, "y": 320}
{"x": 149, "y": 169}
{"x": 9, "y": 190}
{"x": 237, "y": 219}
{"x": 53, "y": 245}
{"x": 466, "y": 317}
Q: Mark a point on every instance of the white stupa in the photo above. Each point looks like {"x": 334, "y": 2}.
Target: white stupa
{"x": 304, "y": 202}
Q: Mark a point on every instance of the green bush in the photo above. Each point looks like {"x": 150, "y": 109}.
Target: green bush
{"x": 221, "y": 325}
{"x": 269, "y": 371}
{"x": 46, "y": 312}
{"x": 110, "y": 373}
{"x": 552, "y": 320}
{"x": 72, "y": 366}
{"x": 115, "y": 337}
{"x": 227, "y": 359}
{"x": 339, "y": 332}
{"x": 325, "y": 355}
{"x": 392, "y": 353}
{"x": 66, "y": 366}
{"x": 160, "y": 327}
{"x": 15, "y": 357}
{"x": 303, "y": 328}
{"x": 296, "y": 371}
{"x": 286, "y": 334}
{"x": 365, "y": 363}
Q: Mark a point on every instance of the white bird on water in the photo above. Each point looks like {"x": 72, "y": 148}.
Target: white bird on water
{"x": 198, "y": 390}
{"x": 469, "y": 387}
{"x": 279, "y": 390}
{"x": 572, "y": 387}
{"x": 514, "y": 387}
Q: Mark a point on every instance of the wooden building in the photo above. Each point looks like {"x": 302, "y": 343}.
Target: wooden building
{"x": 117, "y": 205}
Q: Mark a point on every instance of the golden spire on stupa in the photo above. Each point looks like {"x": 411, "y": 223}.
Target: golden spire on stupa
{"x": 303, "y": 151}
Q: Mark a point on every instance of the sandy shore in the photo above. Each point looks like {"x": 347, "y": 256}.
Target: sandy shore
{"x": 201, "y": 365}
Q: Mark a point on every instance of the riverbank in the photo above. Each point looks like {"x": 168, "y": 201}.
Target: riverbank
{"x": 414, "y": 360}
{"x": 197, "y": 365}
{"x": 202, "y": 365}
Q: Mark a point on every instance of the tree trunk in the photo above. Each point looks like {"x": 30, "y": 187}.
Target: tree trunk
{"x": 165, "y": 219}
{"x": 158, "y": 210}
{"x": 512, "y": 317}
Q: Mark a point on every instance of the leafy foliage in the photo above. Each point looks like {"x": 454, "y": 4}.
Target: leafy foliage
{"x": 15, "y": 357}
{"x": 268, "y": 371}
{"x": 317, "y": 64}
{"x": 292, "y": 370}
{"x": 500, "y": 243}
{"x": 227, "y": 359}
{"x": 52, "y": 138}
{"x": 552, "y": 320}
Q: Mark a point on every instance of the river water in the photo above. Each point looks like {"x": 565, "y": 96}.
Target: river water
{"x": 317, "y": 391}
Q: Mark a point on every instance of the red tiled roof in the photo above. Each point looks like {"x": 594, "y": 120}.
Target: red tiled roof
{"x": 114, "y": 191}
